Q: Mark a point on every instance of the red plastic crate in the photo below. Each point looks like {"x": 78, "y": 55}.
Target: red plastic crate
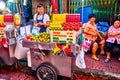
{"x": 8, "y": 18}
{"x": 73, "y": 18}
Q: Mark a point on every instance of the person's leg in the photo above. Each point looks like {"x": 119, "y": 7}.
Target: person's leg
{"x": 108, "y": 51}
{"x": 94, "y": 50}
{"x": 108, "y": 55}
{"x": 102, "y": 46}
{"x": 119, "y": 53}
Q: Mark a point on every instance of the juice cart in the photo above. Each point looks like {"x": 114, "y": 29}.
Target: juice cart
{"x": 47, "y": 65}
{"x": 43, "y": 61}
{"x": 7, "y": 39}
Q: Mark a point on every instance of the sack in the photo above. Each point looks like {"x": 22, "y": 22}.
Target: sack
{"x": 80, "y": 62}
{"x": 20, "y": 52}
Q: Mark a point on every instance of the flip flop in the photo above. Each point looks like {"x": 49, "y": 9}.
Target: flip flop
{"x": 102, "y": 52}
{"x": 107, "y": 60}
{"x": 119, "y": 59}
{"x": 95, "y": 58}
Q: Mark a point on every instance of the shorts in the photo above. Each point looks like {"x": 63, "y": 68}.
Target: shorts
{"x": 98, "y": 40}
{"x": 110, "y": 46}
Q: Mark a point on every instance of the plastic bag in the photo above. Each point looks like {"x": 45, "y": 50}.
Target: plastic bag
{"x": 20, "y": 51}
{"x": 102, "y": 26}
{"x": 87, "y": 44}
{"x": 80, "y": 62}
{"x": 35, "y": 30}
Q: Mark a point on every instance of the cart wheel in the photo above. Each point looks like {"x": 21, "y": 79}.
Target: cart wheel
{"x": 46, "y": 72}
{"x": 74, "y": 77}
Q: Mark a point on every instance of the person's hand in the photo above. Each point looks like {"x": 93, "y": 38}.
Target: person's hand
{"x": 118, "y": 36}
{"x": 41, "y": 23}
{"x": 114, "y": 34}
{"x": 101, "y": 37}
{"x": 35, "y": 25}
{"x": 94, "y": 38}
{"x": 38, "y": 24}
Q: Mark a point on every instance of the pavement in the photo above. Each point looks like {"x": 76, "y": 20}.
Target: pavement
{"x": 112, "y": 66}
{"x": 11, "y": 73}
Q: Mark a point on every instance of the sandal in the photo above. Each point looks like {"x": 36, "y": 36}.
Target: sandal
{"x": 107, "y": 60}
{"x": 102, "y": 52}
{"x": 95, "y": 58}
{"x": 119, "y": 59}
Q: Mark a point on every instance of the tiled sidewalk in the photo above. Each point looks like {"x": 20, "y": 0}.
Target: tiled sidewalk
{"x": 112, "y": 66}
{"x": 9, "y": 73}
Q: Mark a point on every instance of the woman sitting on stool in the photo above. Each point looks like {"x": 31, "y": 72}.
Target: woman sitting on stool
{"x": 113, "y": 39}
{"x": 91, "y": 33}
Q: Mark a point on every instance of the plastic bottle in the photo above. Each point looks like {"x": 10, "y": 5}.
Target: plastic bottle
{"x": 17, "y": 20}
{"x": 1, "y": 18}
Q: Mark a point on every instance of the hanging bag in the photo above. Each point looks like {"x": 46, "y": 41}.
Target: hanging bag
{"x": 80, "y": 62}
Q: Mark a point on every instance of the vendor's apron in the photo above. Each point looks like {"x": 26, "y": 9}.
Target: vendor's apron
{"x": 42, "y": 28}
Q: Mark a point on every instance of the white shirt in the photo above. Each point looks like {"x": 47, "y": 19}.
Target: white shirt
{"x": 45, "y": 19}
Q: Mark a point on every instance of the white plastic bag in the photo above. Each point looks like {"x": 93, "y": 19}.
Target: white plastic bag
{"x": 35, "y": 30}
{"x": 20, "y": 51}
{"x": 80, "y": 62}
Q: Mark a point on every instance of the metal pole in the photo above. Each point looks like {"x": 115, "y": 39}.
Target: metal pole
{"x": 82, "y": 19}
{"x": 82, "y": 10}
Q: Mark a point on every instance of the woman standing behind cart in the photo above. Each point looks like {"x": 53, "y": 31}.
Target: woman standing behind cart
{"x": 41, "y": 20}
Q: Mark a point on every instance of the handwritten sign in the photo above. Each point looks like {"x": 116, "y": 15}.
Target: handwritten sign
{"x": 63, "y": 36}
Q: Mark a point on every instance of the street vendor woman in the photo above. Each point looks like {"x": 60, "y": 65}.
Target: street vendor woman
{"x": 41, "y": 19}
{"x": 91, "y": 33}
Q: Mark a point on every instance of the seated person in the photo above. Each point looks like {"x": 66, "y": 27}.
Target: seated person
{"x": 91, "y": 33}
{"x": 113, "y": 39}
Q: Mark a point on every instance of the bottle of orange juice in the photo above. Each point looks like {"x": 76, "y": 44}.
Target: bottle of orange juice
{"x": 17, "y": 20}
{"x": 1, "y": 18}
